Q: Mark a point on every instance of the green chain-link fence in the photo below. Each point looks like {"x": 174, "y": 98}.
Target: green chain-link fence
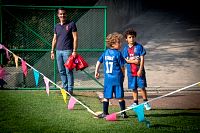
{"x": 28, "y": 31}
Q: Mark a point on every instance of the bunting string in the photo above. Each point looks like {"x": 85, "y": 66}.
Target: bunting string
{"x": 88, "y": 109}
{"x": 74, "y": 100}
{"x": 181, "y": 89}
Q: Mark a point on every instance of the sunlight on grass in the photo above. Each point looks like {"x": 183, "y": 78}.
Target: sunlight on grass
{"x": 34, "y": 111}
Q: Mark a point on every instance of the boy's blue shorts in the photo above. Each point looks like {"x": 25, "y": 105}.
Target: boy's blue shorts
{"x": 135, "y": 82}
{"x": 118, "y": 90}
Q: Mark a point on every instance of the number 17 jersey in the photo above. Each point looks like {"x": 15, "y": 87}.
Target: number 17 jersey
{"x": 112, "y": 60}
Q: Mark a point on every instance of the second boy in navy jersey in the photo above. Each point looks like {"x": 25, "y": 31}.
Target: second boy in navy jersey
{"x": 113, "y": 62}
{"x": 134, "y": 54}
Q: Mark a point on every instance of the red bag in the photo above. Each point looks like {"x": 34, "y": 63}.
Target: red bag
{"x": 81, "y": 63}
{"x": 70, "y": 63}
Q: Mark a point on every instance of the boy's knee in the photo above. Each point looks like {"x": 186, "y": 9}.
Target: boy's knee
{"x": 121, "y": 99}
{"x": 135, "y": 91}
{"x": 142, "y": 90}
{"x": 105, "y": 100}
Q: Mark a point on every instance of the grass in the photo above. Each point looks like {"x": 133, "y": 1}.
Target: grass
{"x": 34, "y": 111}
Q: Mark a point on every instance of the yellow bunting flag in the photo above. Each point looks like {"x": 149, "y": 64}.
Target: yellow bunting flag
{"x": 16, "y": 60}
{"x": 63, "y": 92}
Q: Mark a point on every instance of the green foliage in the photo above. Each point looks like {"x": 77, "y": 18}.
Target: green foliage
{"x": 34, "y": 111}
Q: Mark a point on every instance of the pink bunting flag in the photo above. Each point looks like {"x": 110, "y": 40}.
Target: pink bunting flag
{"x": 71, "y": 103}
{"x": 24, "y": 68}
{"x": 1, "y": 46}
{"x": 7, "y": 53}
{"x": 46, "y": 80}
{"x": 2, "y": 73}
{"x": 111, "y": 117}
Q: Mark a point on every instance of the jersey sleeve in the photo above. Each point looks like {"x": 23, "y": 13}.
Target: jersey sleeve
{"x": 101, "y": 58}
{"x": 125, "y": 52}
{"x": 142, "y": 51}
{"x": 54, "y": 29}
{"x": 121, "y": 60}
{"x": 74, "y": 28}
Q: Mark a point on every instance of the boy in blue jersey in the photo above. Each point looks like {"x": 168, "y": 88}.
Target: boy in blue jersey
{"x": 113, "y": 62}
{"x": 134, "y": 55}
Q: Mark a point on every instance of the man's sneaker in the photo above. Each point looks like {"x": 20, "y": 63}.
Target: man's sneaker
{"x": 124, "y": 115}
{"x": 132, "y": 105}
{"x": 147, "y": 106}
{"x": 102, "y": 115}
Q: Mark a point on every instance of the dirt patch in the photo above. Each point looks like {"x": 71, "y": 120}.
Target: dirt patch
{"x": 183, "y": 100}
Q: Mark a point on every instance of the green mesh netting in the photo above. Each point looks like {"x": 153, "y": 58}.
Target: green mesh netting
{"x": 28, "y": 33}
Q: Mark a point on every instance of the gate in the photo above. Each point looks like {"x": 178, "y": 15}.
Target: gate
{"x": 28, "y": 31}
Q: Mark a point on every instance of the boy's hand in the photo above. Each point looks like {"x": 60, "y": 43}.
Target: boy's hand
{"x": 74, "y": 53}
{"x": 97, "y": 75}
{"x": 135, "y": 61}
{"x": 139, "y": 73}
{"x": 127, "y": 60}
{"x": 52, "y": 55}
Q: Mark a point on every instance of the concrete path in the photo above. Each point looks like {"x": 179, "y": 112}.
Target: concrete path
{"x": 180, "y": 100}
{"x": 172, "y": 42}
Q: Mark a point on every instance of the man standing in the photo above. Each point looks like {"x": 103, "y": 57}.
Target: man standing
{"x": 65, "y": 40}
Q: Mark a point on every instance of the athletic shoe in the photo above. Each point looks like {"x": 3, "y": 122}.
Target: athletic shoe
{"x": 71, "y": 92}
{"x": 133, "y": 105}
{"x": 124, "y": 115}
{"x": 147, "y": 106}
{"x": 102, "y": 115}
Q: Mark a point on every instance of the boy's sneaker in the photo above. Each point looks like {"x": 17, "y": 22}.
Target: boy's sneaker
{"x": 71, "y": 92}
{"x": 124, "y": 115}
{"x": 102, "y": 115}
{"x": 147, "y": 106}
{"x": 133, "y": 105}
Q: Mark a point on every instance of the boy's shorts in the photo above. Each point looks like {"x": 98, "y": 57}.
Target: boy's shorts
{"x": 135, "y": 82}
{"x": 118, "y": 90}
